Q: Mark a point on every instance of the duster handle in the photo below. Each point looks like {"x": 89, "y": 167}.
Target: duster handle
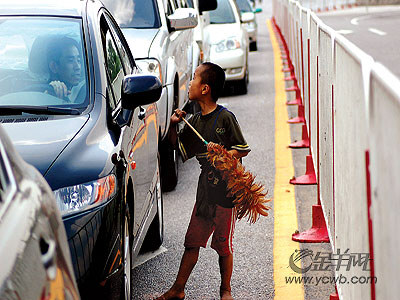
{"x": 195, "y": 131}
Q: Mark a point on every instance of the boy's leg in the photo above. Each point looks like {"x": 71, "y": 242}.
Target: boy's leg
{"x": 226, "y": 268}
{"x": 222, "y": 242}
{"x": 189, "y": 260}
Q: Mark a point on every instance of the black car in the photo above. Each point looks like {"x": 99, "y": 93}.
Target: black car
{"x": 34, "y": 256}
{"x": 77, "y": 108}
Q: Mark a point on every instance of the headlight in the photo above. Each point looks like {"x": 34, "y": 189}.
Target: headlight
{"x": 150, "y": 66}
{"x": 228, "y": 44}
{"x": 87, "y": 195}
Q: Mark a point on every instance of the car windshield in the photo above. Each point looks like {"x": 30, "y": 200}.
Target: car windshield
{"x": 134, "y": 13}
{"x": 42, "y": 64}
{"x": 223, "y": 14}
{"x": 244, "y": 6}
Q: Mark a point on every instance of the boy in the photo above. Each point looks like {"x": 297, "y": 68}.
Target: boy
{"x": 213, "y": 212}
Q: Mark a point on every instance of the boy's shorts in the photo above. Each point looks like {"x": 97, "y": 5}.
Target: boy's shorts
{"x": 223, "y": 225}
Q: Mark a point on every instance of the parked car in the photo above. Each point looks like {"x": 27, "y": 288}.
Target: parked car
{"x": 160, "y": 34}
{"x": 77, "y": 108}
{"x": 248, "y": 15}
{"x": 34, "y": 255}
{"x": 229, "y": 43}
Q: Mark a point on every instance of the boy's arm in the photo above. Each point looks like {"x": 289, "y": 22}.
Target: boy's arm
{"x": 175, "y": 119}
{"x": 238, "y": 154}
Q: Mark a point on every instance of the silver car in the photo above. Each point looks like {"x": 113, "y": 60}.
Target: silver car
{"x": 248, "y": 16}
{"x": 34, "y": 255}
{"x": 160, "y": 35}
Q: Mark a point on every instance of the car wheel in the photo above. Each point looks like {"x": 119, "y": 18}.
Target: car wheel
{"x": 253, "y": 46}
{"x": 169, "y": 166}
{"x": 127, "y": 259}
{"x": 155, "y": 235}
{"x": 242, "y": 85}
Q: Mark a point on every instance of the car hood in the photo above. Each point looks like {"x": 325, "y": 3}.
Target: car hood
{"x": 215, "y": 33}
{"x": 140, "y": 40}
{"x": 41, "y": 142}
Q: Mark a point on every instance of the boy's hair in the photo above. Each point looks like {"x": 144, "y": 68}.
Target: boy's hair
{"x": 214, "y": 76}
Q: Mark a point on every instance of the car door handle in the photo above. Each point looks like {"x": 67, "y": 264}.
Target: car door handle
{"x": 142, "y": 113}
{"x": 48, "y": 251}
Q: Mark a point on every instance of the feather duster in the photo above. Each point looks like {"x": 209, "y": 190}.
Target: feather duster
{"x": 249, "y": 196}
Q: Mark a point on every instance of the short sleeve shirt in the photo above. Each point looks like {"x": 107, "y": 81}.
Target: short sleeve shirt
{"x": 221, "y": 127}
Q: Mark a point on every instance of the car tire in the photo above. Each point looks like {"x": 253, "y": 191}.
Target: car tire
{"x": 127, "y": 258}
{"x": 169, "y": 166}
{"x": 243, "y": 83}
{"x": 155, "y": 235}
{"x": 253, "y": 46}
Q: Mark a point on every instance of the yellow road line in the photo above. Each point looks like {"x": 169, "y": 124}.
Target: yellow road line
{"x": 285, "y": 216}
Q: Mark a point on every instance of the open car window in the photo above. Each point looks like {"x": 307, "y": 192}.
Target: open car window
{"x": 42, "y": 63}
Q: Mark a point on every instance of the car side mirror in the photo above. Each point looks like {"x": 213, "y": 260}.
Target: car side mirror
{"x": 257, "y": 10}
{"x": 206, "y": 5}
{"x": 247, "y": 17}
{"x": 140, "y": 90}
{"x": 182, "y": 18}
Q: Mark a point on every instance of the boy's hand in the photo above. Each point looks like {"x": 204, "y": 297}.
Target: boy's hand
{"x": 177, "y": 116}
{"x": 210, "y": 145}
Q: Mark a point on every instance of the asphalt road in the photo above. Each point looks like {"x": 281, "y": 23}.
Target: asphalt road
{"x": 373, "y": 29}
{"x": 253, "y": 273}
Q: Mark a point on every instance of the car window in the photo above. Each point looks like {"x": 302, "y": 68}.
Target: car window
{"x": 223, "y": 14}
{"x": 114, "y": 67}
{"x": 183, "y": 4}
{"x": 39, "y": 54}
{"x": 190, "y": 3}
{"x": 175, "y": 3}
{"x": 244, "y": 6}
{"x": 4, "y": 175}
{"x": 126, "y": 62}
{"x": 134, "y": 13}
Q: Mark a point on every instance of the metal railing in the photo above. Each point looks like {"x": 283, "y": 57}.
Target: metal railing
{"x": 352, "y": 113}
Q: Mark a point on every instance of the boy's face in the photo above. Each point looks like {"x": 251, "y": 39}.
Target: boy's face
{"x": 195, "y": 85}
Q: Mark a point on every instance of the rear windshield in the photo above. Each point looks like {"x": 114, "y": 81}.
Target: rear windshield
{"x": 42, "y": 62}
{"x": 223, "y": 14}
{"x": 134, "y": 13}
{"x": 244, "y": 6}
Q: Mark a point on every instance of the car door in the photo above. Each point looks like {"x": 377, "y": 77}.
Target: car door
{"x": 133, "y": 137}
{"x": 147, "y": 114}
{"x": 181, "y": 49}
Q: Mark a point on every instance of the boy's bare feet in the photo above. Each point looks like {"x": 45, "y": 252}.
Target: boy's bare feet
{"x": 172, "y": 295}
{"x": 225, "y": 294}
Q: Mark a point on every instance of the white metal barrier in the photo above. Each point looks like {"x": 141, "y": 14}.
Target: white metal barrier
{"x": 352, "y": 112}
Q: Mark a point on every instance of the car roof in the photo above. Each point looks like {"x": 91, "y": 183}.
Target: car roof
{"x": 71, "y": 8}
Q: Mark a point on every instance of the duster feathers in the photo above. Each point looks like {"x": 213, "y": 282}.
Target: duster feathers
{"x": 249, "y": 196}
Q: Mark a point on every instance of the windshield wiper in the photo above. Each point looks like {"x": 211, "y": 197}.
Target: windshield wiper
{"x": 37, "y": 110}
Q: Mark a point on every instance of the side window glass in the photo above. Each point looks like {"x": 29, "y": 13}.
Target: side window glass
{"x": 170, "y": 8}
{"x": 4, "y": 179}
{"x": 175, "y": 2}
{"x": 184, "y": 4}
{"x": 114, "y": 66}
{"x": 121, "y": 49}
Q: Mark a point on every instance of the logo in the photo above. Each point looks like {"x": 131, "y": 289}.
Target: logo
{"x": 295, "y": 260}
{"x": 220, "y": 130}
